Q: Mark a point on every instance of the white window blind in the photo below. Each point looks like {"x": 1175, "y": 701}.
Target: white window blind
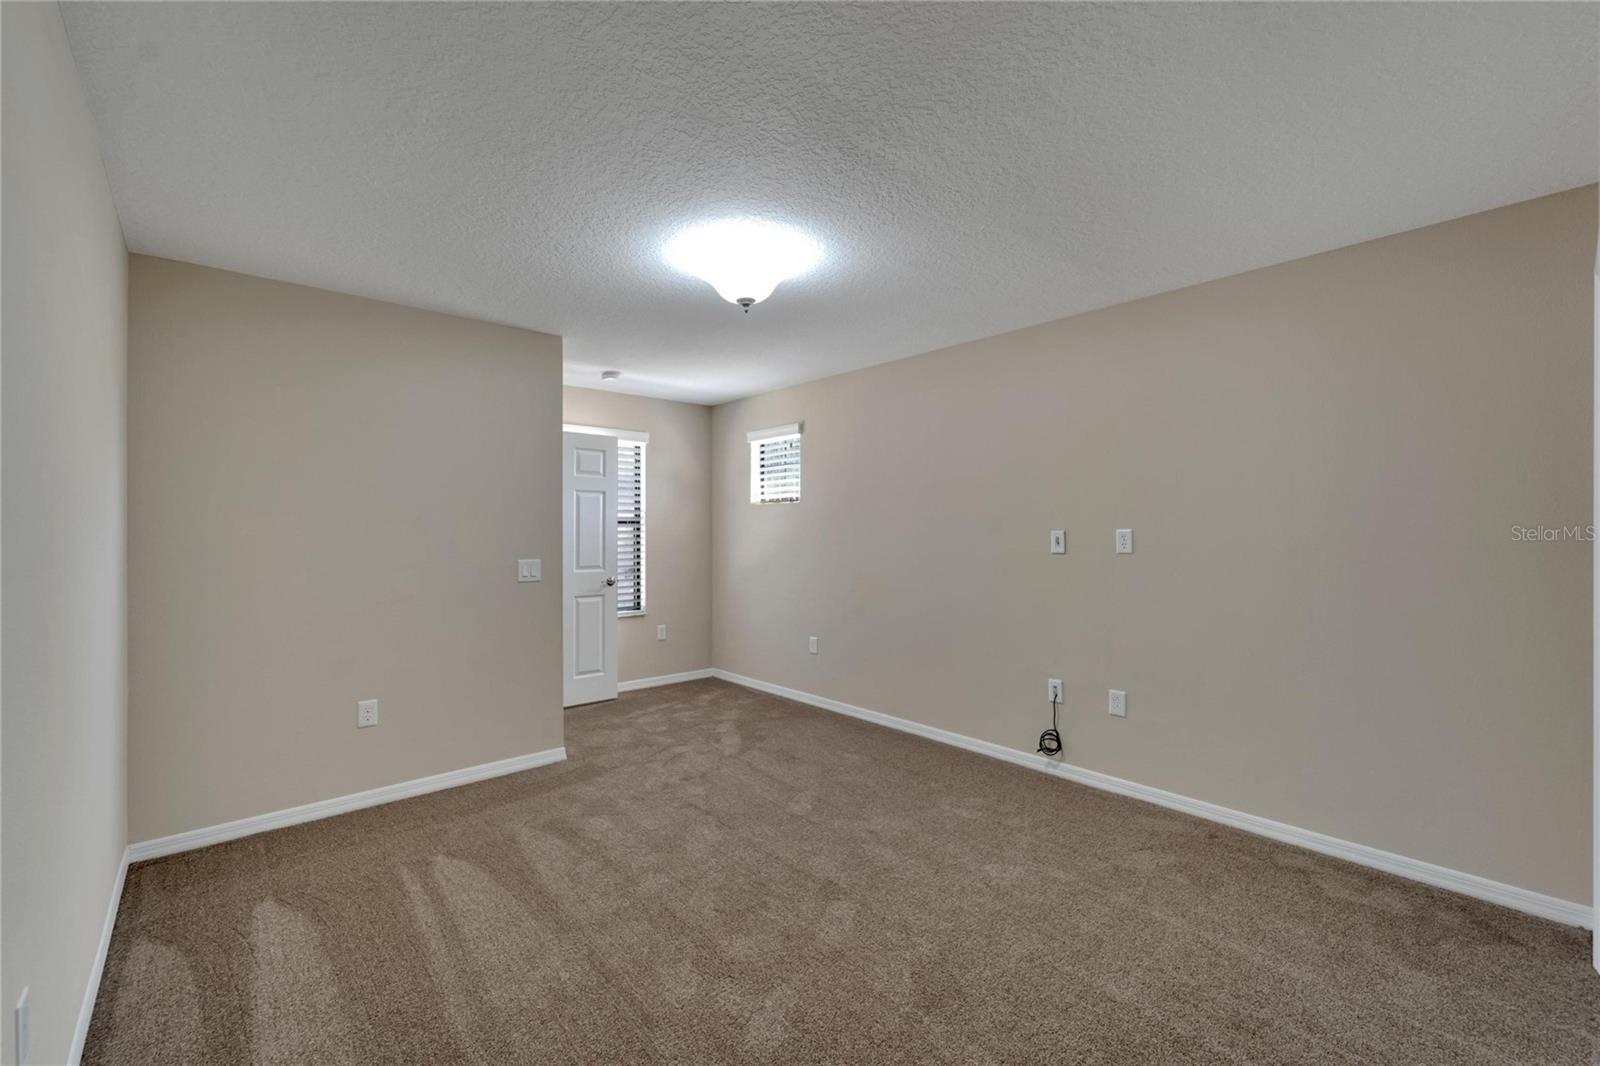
{"x": 630, "y": 527}
{"x": 775, "y": 465}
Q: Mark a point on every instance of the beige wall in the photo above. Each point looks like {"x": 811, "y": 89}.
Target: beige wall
{"x": 63, "y": 679}
{"x": 1326, "y": 621}
{"x": 677, "y": 528}
{"x": 328, "y": 499}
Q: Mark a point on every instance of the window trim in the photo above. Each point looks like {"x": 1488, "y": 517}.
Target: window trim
{"x": 788, "y": 429}
{"x": 757, "y": 437}
{"x": 606, "y": 431}
{"x": 641, "y": 438}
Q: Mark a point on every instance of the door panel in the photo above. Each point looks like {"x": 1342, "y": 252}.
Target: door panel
{"x": 588, "y": 636}
{"x": 589, "y": 462}
{"x": 589, "y": 568}
{"x": 589, "y": 531}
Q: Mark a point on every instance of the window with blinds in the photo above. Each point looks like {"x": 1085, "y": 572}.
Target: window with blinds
{"x": 630, "y": 527}
{"x": 775, "y": 465}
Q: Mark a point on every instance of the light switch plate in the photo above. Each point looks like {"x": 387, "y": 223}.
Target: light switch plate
{"x": 1058, "y": 542}
{"x": 528, "y": 570}
{"x": 1117, "y": 705}
{"x": 811, "y": 645}
{"x": 367, "y": 713}
{"x": 1124, "y": 542}
{"x": 661, "y": 631}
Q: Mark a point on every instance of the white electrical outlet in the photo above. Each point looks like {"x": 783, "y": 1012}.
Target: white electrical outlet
{"x": 1054, "y": 694}
{"x": 1124, "y": 542}
{"x": 528, "y": 570}
{"x": 1118, "y": 703}
{"x": 812, "y": 645}
{"x": 20, "y": 1027}
{"x": 661, "y": 631}
{"x": 1058, "y": 542}
{"x": 367, "y": 713}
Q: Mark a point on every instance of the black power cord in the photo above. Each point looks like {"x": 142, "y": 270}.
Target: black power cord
{"x": 1050, "y": 739}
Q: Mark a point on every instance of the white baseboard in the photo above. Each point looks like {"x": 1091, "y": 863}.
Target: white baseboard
{"x": 664, "y": 679}
{"x": 1520, "y": 899}
{"x": 261, "y": 823}
{"x": 91, "y": 991}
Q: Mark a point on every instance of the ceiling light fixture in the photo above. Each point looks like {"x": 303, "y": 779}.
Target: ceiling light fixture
{"x": 743, "y": 259}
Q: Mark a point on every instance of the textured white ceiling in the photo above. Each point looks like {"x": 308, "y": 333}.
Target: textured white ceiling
{"x": 970, "y": 168}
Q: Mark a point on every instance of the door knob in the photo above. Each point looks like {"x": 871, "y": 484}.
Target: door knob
{"x": 610, "y": 581}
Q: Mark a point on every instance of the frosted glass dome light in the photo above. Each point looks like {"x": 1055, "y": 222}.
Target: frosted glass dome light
{"x": 743, "y": 259}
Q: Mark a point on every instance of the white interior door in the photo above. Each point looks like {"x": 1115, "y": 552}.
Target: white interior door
{"x": 589, "y": 567}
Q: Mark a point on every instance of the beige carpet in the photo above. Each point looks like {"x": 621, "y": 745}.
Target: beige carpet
{"x": 717, "y": 875}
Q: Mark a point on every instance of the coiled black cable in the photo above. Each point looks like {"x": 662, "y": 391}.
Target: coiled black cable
{"x": 1050, "y": 739}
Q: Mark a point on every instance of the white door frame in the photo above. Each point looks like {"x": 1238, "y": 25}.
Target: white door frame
{"x": 588, "y": 568}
